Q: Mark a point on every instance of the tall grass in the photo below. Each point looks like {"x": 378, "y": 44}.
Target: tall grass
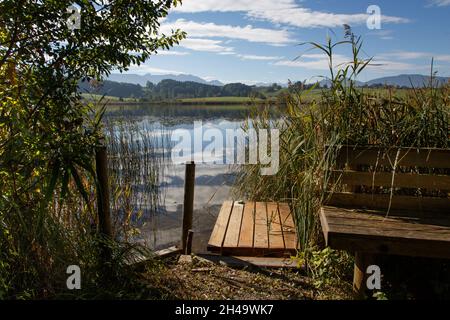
{"x": 39, "y": 243}
{"x": 137, "y": 162}
{"x": 342, "y": 115}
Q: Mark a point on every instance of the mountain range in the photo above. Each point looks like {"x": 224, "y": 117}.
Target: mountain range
{"x": 409, "y": 80}
{"x": 403, "y": 80}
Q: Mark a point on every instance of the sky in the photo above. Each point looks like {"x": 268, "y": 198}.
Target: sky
{"x": 258, "y": 41}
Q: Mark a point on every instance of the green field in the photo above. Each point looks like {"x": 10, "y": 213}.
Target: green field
{"x": 107, "y": 99}
{"x": 305, "y": 95}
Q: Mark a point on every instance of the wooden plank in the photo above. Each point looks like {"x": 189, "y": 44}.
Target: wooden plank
{"x": 276, "y": 240}
{"x": 381, "y": 201}
{"x": 403, "y": 180}
{"x": 220, "y": 228}
{"x": 169, "y": 252}
{"x": 288, "y": 226}
{"x": 261, "y": 229}
{"x": 248, "y": 226}
{"x": 409, "y": 157}
{"x": 377, "y": 229}
{"x": 234, "y": 226}
{"x": 383, "y": 245}
{"x": 344, "y": 216}
{"x": 377, "y": 237}
{"x": 347, "y": 222}
{"x": 254, "y": 252}
{"x": 140, "y": 260}
{"x": 245, "y": 261}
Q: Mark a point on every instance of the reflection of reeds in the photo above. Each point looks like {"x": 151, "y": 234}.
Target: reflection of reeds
{"x": 136, "y": 162}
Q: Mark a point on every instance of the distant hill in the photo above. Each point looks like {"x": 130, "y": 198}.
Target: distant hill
{"x": 155, "y": 79}
{"x": 403, "y": 80}
{"x": 113, "y": 89}
{"x": 135, "y": 86}
{"x": 166, "y": 90}
{"x": 327, "y": 83}
{"x": 408, "y": 80}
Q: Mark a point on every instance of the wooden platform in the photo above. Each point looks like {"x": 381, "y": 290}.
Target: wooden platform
{"x": 254, "y": 229}
{"x": 401, "y": 233}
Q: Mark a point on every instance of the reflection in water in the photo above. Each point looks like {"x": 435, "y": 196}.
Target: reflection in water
{"x": 148, "y": 128}
{"x": 171, "y": 114}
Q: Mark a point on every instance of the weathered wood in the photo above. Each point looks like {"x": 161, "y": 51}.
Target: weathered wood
{"x": 404, "y": 180}
{"x": 167, "y": 253}
{"x": 382, "y": 202}
{"x": 188, "y": 204}
{"x": 370, "y": 232}
{"x": 190, "y": 237}
{"x": 261, "y": 230}
{"x": 384, "y": 223}
{"x": 234, "y": 226}
{"x": 362, "y": 261}
{"x": 404, "y": 220}
{"x": 246, "y": 262}
{"x": 248, "y": 226}
{"x": 408, "y": 157}
{"x": 288, "y": 226}
{"x": 104, "y": 213}
{"x": 220, "y": 228}
{"x": 276, "y": 240}
{"x": 261, "y": 226}
{"x": 139, "y": 261}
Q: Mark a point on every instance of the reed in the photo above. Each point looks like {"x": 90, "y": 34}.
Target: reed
{"x": 342, "y": 115}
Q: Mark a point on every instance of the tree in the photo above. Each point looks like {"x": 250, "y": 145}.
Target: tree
{"x": 48, "y": 135}
{"x": 43, "y": 59}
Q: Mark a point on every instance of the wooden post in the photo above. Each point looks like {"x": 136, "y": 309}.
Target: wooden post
{"x": 104, "y": 214}
{"x": 188, "y": 204}
{"x": 362, "y": 261}
{"x": 189, "y": 242}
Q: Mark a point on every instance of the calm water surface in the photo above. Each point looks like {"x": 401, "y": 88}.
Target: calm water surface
{"x": 213, "y": 181}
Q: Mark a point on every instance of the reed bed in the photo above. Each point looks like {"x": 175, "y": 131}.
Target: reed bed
{"x": 342, "y": 115}
{"x": 137, "y": 161}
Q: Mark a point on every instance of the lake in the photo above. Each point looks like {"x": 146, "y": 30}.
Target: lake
{"x": 172, "y": 130}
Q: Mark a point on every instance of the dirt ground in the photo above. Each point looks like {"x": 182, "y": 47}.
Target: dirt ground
{"x": 200, "y": 280}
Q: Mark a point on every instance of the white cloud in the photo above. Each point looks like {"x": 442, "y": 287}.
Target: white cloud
{"x": 314, "y": 62}
{"x": 257, "y": 57}
{"x": 382, "y": 34}
{"x": 413, "y": 55}
{"x": 173, "y": 53}
{"x": 248, "y": 33}
{"x": 282, "y": 12}
{"x": 321, "y": 62}
{"x": 383, "y": 66}
{"x": 440, "y": 3}
{"x": 207, "y": 45}
{"x": 144, "y": 69}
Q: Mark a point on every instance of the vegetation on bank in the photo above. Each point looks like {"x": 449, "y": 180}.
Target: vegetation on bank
{"x": 264, "y": 96}
{"x": 343, "y": 115}
{"x": 48, "y": 140}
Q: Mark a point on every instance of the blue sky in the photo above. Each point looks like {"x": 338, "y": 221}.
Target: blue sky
{"x": 255, "y": 41}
